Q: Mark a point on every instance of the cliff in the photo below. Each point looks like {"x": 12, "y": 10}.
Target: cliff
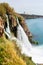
{"x": 10, "y": 53}
{"x": 6, "y": 9}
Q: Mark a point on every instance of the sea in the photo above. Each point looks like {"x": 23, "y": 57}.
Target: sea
{"x": 36, "y": 28}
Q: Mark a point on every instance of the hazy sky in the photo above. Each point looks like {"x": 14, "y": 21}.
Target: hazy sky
{"x": 29, "y": 6}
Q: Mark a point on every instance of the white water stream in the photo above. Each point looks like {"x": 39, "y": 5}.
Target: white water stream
{"x": 36, "y": 52}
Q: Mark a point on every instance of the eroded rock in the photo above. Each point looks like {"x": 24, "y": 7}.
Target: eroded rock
{"x": 13, "y": 24}
{"x": 1, "y": 27}
{"x": 23, "y": 24}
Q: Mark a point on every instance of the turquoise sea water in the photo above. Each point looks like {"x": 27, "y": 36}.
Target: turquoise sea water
{"x": 36, "y": 28}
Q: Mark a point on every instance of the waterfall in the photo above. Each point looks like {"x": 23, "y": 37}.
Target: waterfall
{"x": 35, "y": 52}
{"x": 8, "y": 33}
{"x": 22, "y": 41}
{"x": 21, "y": 35}
{"x": 8, "y": 28}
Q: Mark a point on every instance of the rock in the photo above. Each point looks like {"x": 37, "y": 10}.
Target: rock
{"x": 1, "y": 27}
{"x": 13, "y": 20}
{"x": 1, "y": 32}
{"x": 23, "y": 24}
{"x": 13, "y": 24}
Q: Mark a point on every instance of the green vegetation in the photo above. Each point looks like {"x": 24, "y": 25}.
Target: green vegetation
{"x": 6, "y": 9}
{"x": 10, "y": 54}
{"x": 2, "y": 10}
{"x": 28, "y": 60}
{"x": 35, "y": 42}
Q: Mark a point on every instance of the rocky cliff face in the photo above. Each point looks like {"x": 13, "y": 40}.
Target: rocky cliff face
{"x": 10, "y": 54}
{"x": 23, "y": 24}
{"x": 1, "y": 27}
{"x": 13, "y": 24}
{"x": 6, "y": 9}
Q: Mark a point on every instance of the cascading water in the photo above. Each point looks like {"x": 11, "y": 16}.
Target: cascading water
{"x": 24, "y": 44}
{"x": 35, "y": 52}
{"x": 8, "y": 28}
{"x": 8, "y": 33}
{"x": 21, "y": 35}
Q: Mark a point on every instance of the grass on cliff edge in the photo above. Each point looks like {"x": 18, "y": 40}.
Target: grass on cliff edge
{"x": 9, "y": 54}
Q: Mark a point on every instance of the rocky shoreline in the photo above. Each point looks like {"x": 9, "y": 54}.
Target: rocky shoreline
{"x": 32, "y": 16}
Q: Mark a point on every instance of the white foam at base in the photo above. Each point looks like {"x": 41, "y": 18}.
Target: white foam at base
{"x": 36, "y": 52}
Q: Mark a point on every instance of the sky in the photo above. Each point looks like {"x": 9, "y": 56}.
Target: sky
{"x": 27, "y": 6}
